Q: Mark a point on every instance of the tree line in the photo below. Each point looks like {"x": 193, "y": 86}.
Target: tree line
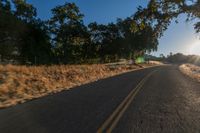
{"x": 180, "y": 58}
{"x": 65, "y": 39}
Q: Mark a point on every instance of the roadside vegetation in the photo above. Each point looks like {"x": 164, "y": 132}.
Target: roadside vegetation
{"x": 21, "y": 83}
{"x": 191, "y": 70}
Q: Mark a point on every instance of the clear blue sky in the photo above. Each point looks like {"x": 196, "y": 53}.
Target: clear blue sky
{"x": 178, "y": 38}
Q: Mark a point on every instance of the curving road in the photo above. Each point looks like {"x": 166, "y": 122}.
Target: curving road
{"x": 153, "y": 100}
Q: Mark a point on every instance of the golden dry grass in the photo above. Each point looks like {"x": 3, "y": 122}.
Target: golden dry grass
{"x": 190, "y": 70}
{"x": 156, "y": 62}
{"x": 21, "y": 83}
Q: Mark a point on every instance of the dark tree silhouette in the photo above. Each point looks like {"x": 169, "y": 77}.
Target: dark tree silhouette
{"x": 65, "y": 39}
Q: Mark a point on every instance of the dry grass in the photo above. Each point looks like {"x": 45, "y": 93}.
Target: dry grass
{"x": 156, "y": 62}
{"x": 192, "y": 71}
{"x": 21, "y": 83}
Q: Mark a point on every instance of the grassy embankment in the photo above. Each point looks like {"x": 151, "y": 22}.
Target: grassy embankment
{"x": 21, "y": 83}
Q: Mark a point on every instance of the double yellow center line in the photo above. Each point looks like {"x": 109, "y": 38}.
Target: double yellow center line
{"x": 114, "y": 118}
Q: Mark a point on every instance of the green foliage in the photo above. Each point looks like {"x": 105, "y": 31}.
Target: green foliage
{"x": 24, "y": 11}
{"x": 23, "y": 37}
{"x": 64, "y": 39}
{"x": 35, "y": 46}
{"x": 69, "y": 32}
{"x": 172, "y": 8}
{"x": 9, "y": 32}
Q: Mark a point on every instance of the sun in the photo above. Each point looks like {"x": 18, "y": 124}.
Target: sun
{"x": 195, "y": 48}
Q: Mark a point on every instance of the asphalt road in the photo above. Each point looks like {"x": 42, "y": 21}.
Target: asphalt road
{"x": 152, "y": 100}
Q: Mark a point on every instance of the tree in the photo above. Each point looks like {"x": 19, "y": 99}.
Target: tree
{"x": 138, "y": 37}
{"x": 34, "y": 42}
{"x": 69, "y": 32}
{"x": 162, "y": 56}
{"x": 66, "y": 39}
{"x": 35, "y": 45}
{"x": 9, "y": 31}
{"x": 23, "y": 37}
{"x": 171, "y": 9}
{"x": 106, "y": 39}
{"x": 24, "y": 11}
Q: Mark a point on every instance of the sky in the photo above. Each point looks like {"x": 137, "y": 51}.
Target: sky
{"x": 179, "y": 37}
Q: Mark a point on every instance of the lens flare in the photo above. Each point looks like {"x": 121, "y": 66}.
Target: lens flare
{"x": 195, "y": 48}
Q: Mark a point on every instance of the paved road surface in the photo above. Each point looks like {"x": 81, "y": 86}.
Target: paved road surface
{"x": 152, "y": 100}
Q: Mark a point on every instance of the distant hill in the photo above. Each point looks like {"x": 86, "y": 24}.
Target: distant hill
{"x": 181, "y": 58}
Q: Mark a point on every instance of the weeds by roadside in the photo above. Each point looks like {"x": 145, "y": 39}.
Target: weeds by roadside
{"x": 21, "y": 83}
{"x": 190, "y": 70}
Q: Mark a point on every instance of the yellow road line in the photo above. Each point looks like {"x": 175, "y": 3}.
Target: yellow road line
{"x": 112, "y": 121}
{"x": 106, "y": 123}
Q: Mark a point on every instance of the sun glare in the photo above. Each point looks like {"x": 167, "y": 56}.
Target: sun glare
{"x": 195, "y": 48}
